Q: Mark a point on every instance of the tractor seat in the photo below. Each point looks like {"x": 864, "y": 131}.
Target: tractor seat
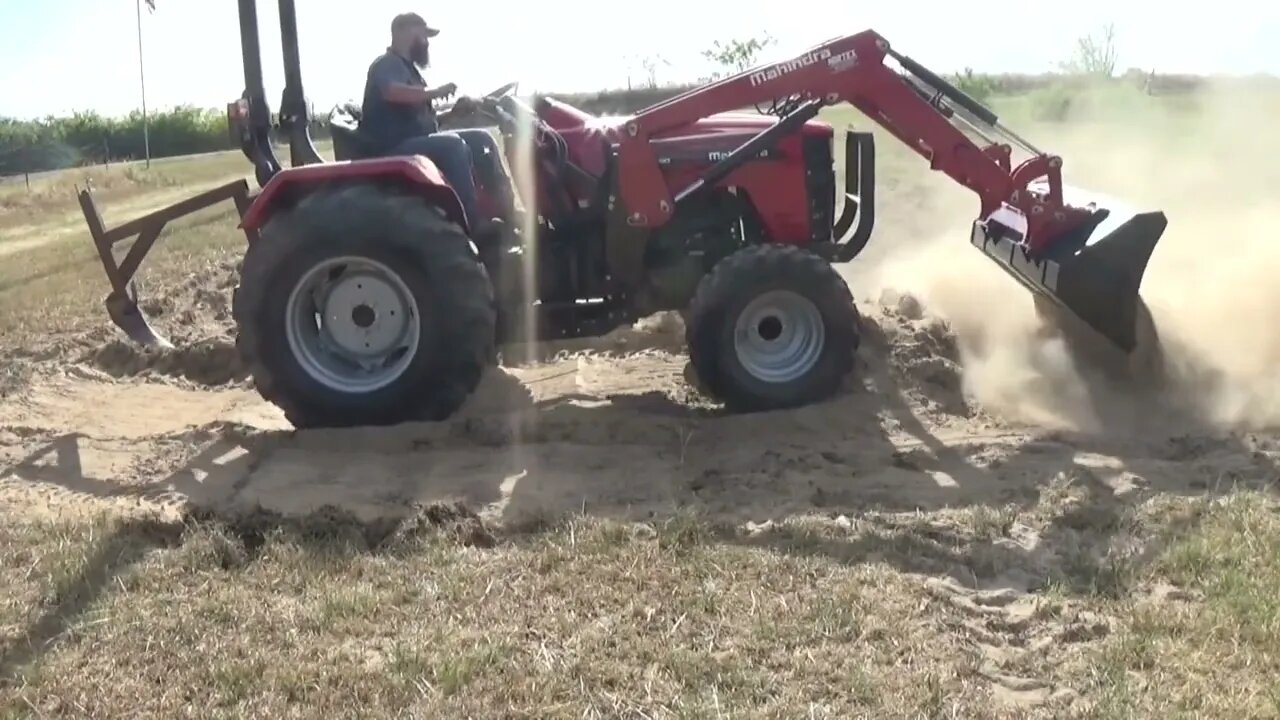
{"x": 344, "y": 128}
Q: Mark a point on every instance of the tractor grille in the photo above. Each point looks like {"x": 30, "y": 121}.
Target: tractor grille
{"x": 820, "y": 181}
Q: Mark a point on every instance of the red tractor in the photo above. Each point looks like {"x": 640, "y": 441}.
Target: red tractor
{"x": 364, "y": 300}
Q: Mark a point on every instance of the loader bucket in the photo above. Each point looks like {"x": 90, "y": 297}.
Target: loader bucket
{"x": 1094, "y": 277}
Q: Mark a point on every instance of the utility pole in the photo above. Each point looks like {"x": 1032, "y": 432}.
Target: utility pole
{"x": 142, "y": 76}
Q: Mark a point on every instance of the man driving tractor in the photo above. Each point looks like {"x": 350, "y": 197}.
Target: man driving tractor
{"x": 399, "y": 118}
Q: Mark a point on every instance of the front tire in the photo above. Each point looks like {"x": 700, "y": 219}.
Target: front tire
{"x": 364, "y": 306}
{"x": 772, "y": 327}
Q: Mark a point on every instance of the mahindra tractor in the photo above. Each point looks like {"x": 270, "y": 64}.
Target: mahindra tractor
{"x": 365, "y": 299}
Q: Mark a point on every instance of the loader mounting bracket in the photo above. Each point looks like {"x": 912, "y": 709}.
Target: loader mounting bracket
{"x": 122, "y": 303}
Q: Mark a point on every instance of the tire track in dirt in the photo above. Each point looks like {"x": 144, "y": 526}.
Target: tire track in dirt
{"x": 618, "y": 433}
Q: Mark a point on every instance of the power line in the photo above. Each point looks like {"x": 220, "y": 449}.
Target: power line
{"x": 142, "y": 77}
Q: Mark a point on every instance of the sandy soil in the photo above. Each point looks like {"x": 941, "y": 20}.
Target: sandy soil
{"x": 616, "y": 430}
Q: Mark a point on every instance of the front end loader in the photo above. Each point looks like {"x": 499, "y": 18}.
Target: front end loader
{"x": 1083, "y": 256}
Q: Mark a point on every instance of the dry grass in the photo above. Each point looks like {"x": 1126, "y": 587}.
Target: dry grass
{"x": 324, "y": 617}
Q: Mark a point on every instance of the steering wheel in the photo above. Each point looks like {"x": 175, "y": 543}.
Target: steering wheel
{"x": 491, "y": 104}
{"x": 505, "y": 115}
{"x": 503, "y": 91}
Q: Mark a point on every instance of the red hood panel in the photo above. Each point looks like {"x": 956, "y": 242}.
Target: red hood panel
{"x": 726, "y": 122}
{"x": 585, "y": 133}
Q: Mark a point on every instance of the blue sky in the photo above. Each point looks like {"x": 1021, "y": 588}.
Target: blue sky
{"x": 63, "y": 55}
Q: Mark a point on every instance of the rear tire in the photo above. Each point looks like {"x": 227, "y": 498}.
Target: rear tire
{"x": 772, "y": 327}
{"x": 393, "y": 275}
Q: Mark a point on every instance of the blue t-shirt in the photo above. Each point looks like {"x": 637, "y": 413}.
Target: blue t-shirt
{"x": 387, "y": 124}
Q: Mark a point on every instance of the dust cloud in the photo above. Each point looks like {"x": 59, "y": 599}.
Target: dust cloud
{"x": 1210, "y": 284}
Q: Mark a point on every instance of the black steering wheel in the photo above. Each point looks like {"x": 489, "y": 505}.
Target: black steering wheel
{"x": 501, "y": 106}
{"x": 492, "y": 105}
{"x": 482, "y": 104}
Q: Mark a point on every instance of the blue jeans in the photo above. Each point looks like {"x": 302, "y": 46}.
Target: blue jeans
{"x": 457, "y": 153}
{"x": 486, "y": 163}
{"x": 451, "y": 155}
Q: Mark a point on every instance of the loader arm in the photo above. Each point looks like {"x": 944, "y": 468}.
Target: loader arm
{"x": 852, "y": 69}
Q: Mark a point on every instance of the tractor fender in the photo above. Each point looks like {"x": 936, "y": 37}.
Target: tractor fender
{"x": 413, "y": 172}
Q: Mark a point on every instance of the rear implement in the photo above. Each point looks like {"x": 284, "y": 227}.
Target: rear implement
{"x": 122, "y": 302}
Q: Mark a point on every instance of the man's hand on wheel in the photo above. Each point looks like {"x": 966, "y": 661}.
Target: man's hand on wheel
{"x": 444, "y": 91}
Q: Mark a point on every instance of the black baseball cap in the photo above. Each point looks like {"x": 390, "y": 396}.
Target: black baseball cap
{"x": 404, "y": 21}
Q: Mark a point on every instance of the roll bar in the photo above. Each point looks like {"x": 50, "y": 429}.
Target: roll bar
{"x": 252, "y": 117}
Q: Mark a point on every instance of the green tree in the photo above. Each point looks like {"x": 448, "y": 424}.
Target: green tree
{"x": 736, "y": 55}
{"x": 1094, "y": 57}
{"x": 978, "y": 86}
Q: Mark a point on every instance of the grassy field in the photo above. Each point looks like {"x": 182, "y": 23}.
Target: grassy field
{"x": 587, "y": 617}
{"x": 594, "y": 619}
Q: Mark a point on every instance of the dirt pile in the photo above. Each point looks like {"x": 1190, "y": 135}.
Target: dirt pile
{"x": 662, "y": 333}
{"x": 918, "y": 351}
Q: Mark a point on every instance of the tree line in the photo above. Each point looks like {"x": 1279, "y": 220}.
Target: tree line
{"x": 88, "y": 138}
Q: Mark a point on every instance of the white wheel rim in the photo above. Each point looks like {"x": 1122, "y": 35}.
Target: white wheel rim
{"x": 352, "y": 324}
{"x": 779, "y": 336}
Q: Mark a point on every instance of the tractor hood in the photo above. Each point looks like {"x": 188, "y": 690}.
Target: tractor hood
{"x": 587, "y": 135}
{"x": 741, "y": 122}
{"x": 567, "y": 118}
{"x": 731, "y": 123}
{"x": 713, "y": 138}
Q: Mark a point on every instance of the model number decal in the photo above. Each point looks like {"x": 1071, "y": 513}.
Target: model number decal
{"x": 718, "y": 155}
{"x": 843, "y": 61}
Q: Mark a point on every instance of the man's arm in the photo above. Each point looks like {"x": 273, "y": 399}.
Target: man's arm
{"x": 463, "y": 107}
{"x": 395, "y": 84}
{"x": 406, "y": 94}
